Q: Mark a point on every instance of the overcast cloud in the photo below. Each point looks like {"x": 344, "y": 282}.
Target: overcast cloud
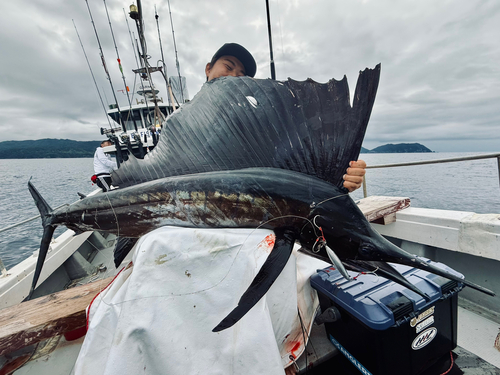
{"x": 440, "y": 81}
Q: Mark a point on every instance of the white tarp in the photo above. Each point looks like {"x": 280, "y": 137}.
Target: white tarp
{"x": 157, "y": 316}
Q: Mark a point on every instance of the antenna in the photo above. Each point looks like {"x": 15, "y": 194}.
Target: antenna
{"x": 273, "y": 72}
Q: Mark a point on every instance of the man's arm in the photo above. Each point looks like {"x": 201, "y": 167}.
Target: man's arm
{"x": 353, "y": 179}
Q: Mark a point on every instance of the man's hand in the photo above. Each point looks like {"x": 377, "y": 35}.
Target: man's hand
{"x": 353, "y": 179}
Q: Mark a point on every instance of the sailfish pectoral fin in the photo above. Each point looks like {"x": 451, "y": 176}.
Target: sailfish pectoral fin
{"x": 48, "y": 232}
{"x": 265, "y": 278}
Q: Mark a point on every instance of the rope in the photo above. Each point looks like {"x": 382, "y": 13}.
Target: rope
{"x": 451, "y": 365}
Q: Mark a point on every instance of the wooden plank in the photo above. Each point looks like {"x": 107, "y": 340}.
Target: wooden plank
{"x": 39, "y": 319}
{"x": 382, "y": 210}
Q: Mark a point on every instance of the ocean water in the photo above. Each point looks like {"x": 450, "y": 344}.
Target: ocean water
{"x": 463, "y": 186}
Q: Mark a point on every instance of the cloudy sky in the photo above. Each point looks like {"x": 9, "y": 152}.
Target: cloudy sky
{"x": 440, "y": 81}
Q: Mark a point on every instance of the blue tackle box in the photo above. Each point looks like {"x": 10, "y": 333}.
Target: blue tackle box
{"x": 385, "y": 328}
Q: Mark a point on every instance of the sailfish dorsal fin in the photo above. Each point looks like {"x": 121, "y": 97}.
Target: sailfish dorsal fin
{"x": 241, "y": 122}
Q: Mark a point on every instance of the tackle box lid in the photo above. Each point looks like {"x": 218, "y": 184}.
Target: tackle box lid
{"x": 380, "y": 303}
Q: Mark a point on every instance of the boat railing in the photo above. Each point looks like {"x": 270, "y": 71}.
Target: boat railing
{"x": 437, "y": 161}
{"x": 28, "y": 220}
{"x": 3, "y": 270}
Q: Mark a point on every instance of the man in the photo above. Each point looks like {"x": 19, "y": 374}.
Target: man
{"x": 234, "y": 60}
{"x": 103, "y": 166}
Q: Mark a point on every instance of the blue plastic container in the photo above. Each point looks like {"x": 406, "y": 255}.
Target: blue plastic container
{"x": 386, "y": 328}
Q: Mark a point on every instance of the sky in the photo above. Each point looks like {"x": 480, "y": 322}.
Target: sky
{"x": 440, "y": 76}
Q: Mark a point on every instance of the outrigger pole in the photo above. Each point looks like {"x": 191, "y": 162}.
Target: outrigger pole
{"x": 92, "y": 73}
{"x": 121, "y": 69}
{"x": 273, "y": 72}
{"x": 105, "y": 68}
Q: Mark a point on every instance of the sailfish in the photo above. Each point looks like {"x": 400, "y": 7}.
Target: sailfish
{"x": 252, "y": 153}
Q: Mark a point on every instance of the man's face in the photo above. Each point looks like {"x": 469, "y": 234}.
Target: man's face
{"x": 225, "y": 66}
{"x": 106, "y": 144}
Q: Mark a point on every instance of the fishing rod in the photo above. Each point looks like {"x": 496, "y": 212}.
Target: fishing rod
{"x": 106, "y": 69}
{"x": 92, "y": 73}
{"x": 169, "y": 87}
{"x": 273, "y": 72}
{"x": 131, "y": 112}
{"x": 175, "y": 49}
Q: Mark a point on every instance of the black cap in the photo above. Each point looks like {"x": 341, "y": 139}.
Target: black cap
{"x": 241, "y": 53}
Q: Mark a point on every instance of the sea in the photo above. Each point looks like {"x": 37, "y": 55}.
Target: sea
{"x": 472, "y": 186}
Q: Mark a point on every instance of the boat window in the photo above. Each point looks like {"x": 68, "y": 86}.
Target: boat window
{"x": 149, "y": 117}
{"x": 128, "y": 120}
{"x": 165, "y": 111}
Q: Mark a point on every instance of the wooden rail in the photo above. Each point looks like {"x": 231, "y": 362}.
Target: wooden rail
{"x": 382, "y": 210}
{"x": 52, "y": 315}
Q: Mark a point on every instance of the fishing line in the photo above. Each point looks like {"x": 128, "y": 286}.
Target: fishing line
{"x": 321, "y": 239}
{"x": 281, "y": 37}
{"x": 131, "y": 40}
{"x": 104, "y": 65}
{"x": 304, "y": 334}
{"x": 329, "y": 199}
{"x": 116, "y": 218}
{"x": 368, "y": 272}
{"x": 107, "y": 101}
{"x": 229, "y": 268}
{"x": 175, "y": 49}
{"x": 92, "y": 73}
{"x": 281, "y": 217}
{"x": 165, "y": 75}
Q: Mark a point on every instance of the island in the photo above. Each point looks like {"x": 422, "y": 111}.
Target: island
{"x": 397, "y": 148}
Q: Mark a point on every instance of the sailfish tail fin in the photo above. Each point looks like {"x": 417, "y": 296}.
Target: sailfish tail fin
{"x": 48, "y": 232}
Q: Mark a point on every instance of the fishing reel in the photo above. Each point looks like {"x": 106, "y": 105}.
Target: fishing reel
{"x": 105, "y": 131}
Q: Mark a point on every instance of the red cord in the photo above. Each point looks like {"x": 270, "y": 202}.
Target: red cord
{"x": 451, "y": 365}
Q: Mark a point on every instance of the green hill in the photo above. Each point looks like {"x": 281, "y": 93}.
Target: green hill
{"x": 47, "y": 148}
{"x": 400, "y": 148}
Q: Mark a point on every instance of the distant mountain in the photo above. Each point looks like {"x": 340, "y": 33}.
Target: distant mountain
{"x": 66, "y": 148}
{"x": 47, "y": 148}
{"x": 400, "y": 148}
